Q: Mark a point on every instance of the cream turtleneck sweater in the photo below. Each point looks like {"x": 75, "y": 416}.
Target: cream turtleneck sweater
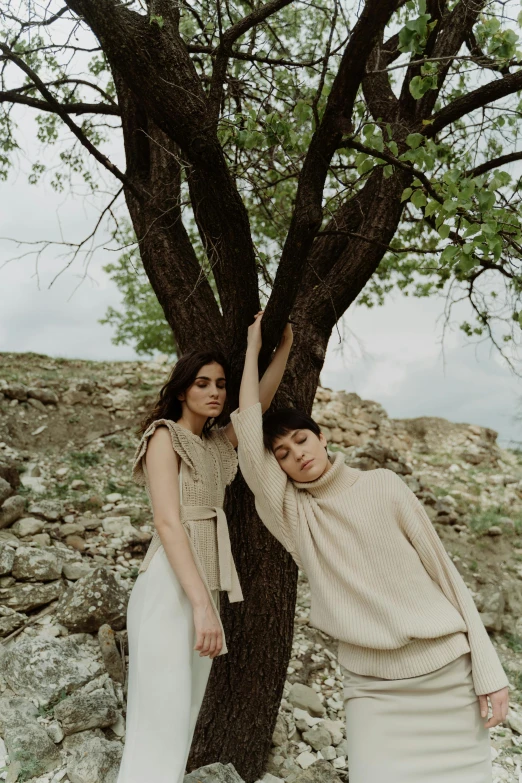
{"x": 381, "y": 581}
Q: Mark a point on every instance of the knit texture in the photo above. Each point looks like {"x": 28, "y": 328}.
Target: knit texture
{"x": 381, "y": 581}
{"x": 209, "y": 464}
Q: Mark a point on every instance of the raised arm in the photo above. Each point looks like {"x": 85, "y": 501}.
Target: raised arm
{"x": 252, "y": 389}
{"x": 162, "y": 465}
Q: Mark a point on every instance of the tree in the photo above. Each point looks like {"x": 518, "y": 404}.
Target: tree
{"x": 304, "y": 155}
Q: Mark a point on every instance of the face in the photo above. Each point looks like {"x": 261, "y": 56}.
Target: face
{"x": 207, "y": 394}
{"x": 302, "y": 454}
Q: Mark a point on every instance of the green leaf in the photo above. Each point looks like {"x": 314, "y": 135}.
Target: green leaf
{"x": 418, "y": 199}
{"x": 406, "y": 193}
{"x": 444, "y": 231}
{"x": 387, "y": 171}
{"x": 154, "y": 19}
{"x": 414, "y": 140}
{"x": 431, "y": 208}
{"x": 486, "y": 199}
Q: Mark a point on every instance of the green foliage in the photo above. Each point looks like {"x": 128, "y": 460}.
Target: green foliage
{"x": 456, "y": 226}
{"x": 141, "y": 321}
{"x": 85, "y": 459}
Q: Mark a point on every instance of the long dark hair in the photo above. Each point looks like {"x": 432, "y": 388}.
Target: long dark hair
{"x": 183, "y": 375}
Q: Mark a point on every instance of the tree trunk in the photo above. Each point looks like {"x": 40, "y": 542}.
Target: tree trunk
{"x": 242, "y": 701}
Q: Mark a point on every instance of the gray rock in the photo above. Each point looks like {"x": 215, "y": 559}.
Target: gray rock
{"x": 320, "y": 772}
{"x": 35, "y": 484}
{"x": 55, "y": 732}
{"x": 328, "y": 753}
{"x": 214, "y": 773}
{"x": 93, "y": 760}
{"x": 47, "y": 396}
{"x": 83, "y": 711}
{"x": 44, "y": 668}
{"x": 7, "y": 554}
{"x": 280, "y": 735}
{"x": 6, "y": 490}
{"x": 24, "y": 597}
{"x": 8, "y": 537}
{"x": 37, "y": 565}
{"x": 492, "y": 605}
{"x": 28, "y": 526}
{"x": 514, "y": 721}
{"x": 94, "y": 600}
{"x": 111, "y": 655}
{"x": 306, "y": 699}
{"x": 119, "y": 526}
{"x": 335, "y": 727}
{"x": 342, "y": 748}
{"x": 16, "y": 711}
{"x": 318, "y": 737}
{"x": 76, "y": 570}
{"x": 15, "y": 391}
{"x": 11, "y": 510}
{"x": 51, "y": 510}
{"x": 10, "y": 620}
{"x": 32, "y": 747}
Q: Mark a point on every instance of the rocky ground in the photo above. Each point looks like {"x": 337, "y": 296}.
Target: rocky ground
{"x": 74, "y": 528}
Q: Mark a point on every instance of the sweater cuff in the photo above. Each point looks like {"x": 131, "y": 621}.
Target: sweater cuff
{"x": 247, "y": 422}
{"x": 488, "y": 678}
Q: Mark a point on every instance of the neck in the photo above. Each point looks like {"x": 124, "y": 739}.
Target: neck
{"x": 192, "y": 421}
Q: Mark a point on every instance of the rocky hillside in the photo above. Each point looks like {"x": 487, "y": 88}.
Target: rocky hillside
{"x": 73, "y": 531}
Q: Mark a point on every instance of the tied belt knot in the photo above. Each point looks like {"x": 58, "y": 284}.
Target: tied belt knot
{"x": 228, "y": 577}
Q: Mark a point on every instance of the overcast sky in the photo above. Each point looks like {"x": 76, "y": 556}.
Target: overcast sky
{"x": 391, "y": 354}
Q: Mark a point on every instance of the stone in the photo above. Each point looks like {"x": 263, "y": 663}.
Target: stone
{"x": 318, "y": 737}
{"x": 36, "y": 404}
{"x": 6, "y": 490}
{"x": 75, "y": 397}
{"x": 43, "y": 668}
{"x": 28, "y": 526}
{"x": 92, "y": 601}
{"x": 514, "y": 721}
{"x": 37, "y": 565}
{"x": 305, "y": 698}
{"x": 9, "y": 472}
{"x": 7, "y": 555}
{"x": 494, "y": 530}
{"x": 16, "y": 711}
{"x": 35, "y": 484}
{"x": 328, "y": 753}
{"x": 15, "y": 391}
{"x": 71, "y": 529}
{"x": 11, "y": 510}
{"x": 51, "y": 510}
{"x": 83, "y": 711}
{"x": 78, "y": 484}
{"x": 214, "y": 773}
{"x": 76, "y": 542}
{"x": 306, "y": 759}
{"x": 76, "y": 570}
{"x": 10, "y": 620}
{"x": 47, "y": 396}
{"x": 120, "y": 527}
{"x": 93, "y": 760}
{"x": 42, "y": 539}
{"x": 320, "y": 772}
{"x": 114, "y": 497}
{"x": 280, "y": 734}
{"x": 55, "y": 732}
{"x": 491, "y": 606}
{"x": 268, "y": 778}
{"x": 335, "y": 727}
{"x": 30, "y": 745}
{"x": 23, "y": 597}
{"x": 113, "y": 661}
{"x": 89, "y": 523}
{"x": 342, "y": 749}
{"x": 8, "y": 537}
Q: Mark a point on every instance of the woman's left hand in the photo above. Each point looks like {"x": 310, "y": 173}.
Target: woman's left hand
{"x": 499, "y": 701}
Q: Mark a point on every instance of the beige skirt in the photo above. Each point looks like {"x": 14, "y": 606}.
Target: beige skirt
{"x": 425, "y": 729}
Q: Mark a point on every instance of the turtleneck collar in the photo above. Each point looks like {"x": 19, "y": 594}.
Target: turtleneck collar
{"x": 337, "y": 479}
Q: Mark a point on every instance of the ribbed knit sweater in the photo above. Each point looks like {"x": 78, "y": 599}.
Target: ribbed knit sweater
{"x": 381, "y": 581}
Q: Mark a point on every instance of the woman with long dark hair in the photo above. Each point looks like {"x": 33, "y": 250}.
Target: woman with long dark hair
{"x": 185, "y": 460}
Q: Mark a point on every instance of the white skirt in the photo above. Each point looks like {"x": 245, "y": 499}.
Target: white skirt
{"x": 167, "y": 678}
{"x": 425, "y": 729}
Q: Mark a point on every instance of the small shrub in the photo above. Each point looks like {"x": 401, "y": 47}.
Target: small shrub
{"x": 85, "y": 459}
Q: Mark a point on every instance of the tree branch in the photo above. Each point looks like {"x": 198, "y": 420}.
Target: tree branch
{"x": 488, "y": 93}
{"x": 224, "y": 49}
{"x": 13, "y": 96}
{"x": 80, "y": 135}
{"x": 502, "y": 160}
{"x": 337, "y": 119}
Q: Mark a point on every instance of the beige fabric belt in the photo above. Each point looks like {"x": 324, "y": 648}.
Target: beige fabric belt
{"x": 228, "y": 578}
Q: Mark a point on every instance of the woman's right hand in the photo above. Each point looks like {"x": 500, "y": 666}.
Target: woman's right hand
{"x": 209, "y": 638}
{"x": 254, "y": 340}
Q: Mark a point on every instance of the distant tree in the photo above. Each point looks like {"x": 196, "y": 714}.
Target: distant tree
{"x": 323, "y": 152}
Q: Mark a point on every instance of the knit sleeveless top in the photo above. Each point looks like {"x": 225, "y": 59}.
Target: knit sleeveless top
{"x": 208, "y": 465}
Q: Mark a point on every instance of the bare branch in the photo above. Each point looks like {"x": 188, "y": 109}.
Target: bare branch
{"x": 13, "y": 96}
{"x": 502, "y": 160}
{"x": 80, "y": 135}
